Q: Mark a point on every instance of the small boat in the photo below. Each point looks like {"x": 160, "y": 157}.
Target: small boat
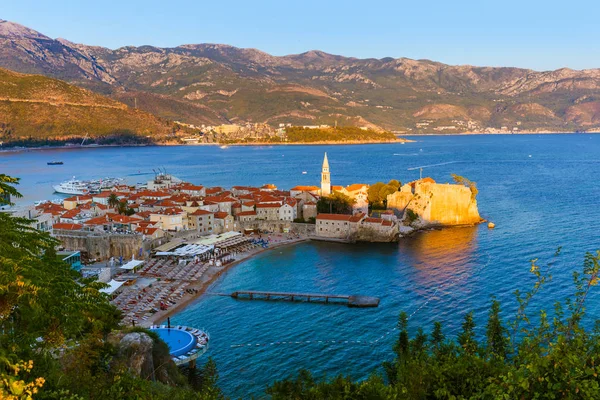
{"x": 55, "y": 163}
{"x": 303, "y": 172}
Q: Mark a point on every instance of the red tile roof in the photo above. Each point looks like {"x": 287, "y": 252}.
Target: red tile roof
{"x": 103, "y": 195}
{"x": 122, "y": 219}
{"x": 356, "y": 186}
{"x": 214, "y": 190}
{"x": 423, "y": 180}
{"x": 81, "y": 197}
{"x": 306, "y": 188}
{"x": 146, "y": 230}
{"x": 143, "y": 214}
{"x": 245, "y": 213}
{"x": 169, "y": 211}
{"x": 268, "y": 205}
{"x": 201, "y": 212}
{"x": 220, "y": 199}
{"x": 190, "y": 187}
{"x": 88, "y": 206}
{"x": 357, "y": 217}
{"x": 69, "y": 227}
{"x": 334, "y": 217}
{"x": 103, "y": 220}
{"x": 221, "y": 215}
{"x": 71, "y": 213}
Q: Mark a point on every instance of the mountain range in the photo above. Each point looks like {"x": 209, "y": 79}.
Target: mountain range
{"x": 216, "y": 84}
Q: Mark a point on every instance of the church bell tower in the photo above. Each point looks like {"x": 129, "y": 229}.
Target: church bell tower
{"x": 325, "y": 178}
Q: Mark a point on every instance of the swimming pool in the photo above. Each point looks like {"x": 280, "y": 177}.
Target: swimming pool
{"x": 179, "y": 341}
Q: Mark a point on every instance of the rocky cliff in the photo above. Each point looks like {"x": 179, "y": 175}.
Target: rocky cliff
{"x": 426, "y": 203}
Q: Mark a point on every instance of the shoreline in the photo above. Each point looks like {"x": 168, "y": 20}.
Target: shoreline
{"x": 188, "y": 298}
{"x": 94, "y": 146}
{"x": 321, "y": 143}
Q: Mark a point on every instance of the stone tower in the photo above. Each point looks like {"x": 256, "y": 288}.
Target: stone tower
{"x": 325, "y": 178}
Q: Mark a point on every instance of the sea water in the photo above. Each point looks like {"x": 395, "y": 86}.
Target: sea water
{"x": 541, "y": 191}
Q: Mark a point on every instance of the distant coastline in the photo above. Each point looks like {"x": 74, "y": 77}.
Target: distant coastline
{"x": 92, "y": 146}
{"x": 320, "y": 143}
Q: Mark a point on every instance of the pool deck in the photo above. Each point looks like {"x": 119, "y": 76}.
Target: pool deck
{"x": 199, "y": 346}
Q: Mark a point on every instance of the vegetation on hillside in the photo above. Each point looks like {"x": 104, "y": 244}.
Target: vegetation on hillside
{"x": 298, "y": 134}
{"x": 55, "y": 325}
{"x": 534, "y": 355}
{"x": 35, "y": 108}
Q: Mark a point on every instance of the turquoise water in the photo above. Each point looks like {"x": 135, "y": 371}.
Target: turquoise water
{"x": 542, "y": 192}
{"x": 179, "y": 342}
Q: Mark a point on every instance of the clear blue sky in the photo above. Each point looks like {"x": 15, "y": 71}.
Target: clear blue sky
{"x": 524, "y": 33}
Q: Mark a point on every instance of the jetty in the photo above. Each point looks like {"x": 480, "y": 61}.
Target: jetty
{"x": 349, "y": 300}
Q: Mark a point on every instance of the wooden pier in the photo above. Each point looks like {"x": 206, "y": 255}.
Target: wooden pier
{"x": 350, "y": 301}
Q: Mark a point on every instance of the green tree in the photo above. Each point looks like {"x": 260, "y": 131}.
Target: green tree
{"x": 374, "y": 193}
{"x": 466, "y": 338}
{"x": 7, "y": 189}
{"x": 496, "y": 333}
{"x": 336, "y": 203}
{"x": 113, "y": 200}
{"x": 395, "y": 183}
{"x": 377, "y": 193}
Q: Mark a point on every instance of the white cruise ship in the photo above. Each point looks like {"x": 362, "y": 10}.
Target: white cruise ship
{"x": 73, "y": 186}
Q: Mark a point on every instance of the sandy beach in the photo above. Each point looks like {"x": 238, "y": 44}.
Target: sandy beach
{"x": 211, "y": 276}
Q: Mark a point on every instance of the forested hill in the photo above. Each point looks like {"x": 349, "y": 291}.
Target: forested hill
{"x": 35, "y": 107}
{"x": 214, "y": 84}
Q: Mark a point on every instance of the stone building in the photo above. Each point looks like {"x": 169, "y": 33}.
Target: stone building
{"x": 338, "y": 226}
{"x": 202, "y": 221}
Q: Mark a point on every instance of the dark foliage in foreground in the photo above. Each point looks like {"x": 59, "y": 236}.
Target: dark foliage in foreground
{"x": 555, "y": 358}
{"x": 54, "y": 328}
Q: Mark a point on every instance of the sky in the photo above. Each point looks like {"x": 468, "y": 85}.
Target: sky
{"x": 540, "y": 35}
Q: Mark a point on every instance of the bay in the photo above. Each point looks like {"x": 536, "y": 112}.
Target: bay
{"x": 542, "y": 192}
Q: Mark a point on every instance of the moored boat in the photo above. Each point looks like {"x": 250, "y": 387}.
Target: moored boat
{"x": 75, "y": 186}
{"x": 72, "y": 186}
{"x": 55, "y": 163}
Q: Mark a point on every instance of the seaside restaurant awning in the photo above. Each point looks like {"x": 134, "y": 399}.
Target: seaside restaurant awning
{"x": 132, "y": 265}
{"x": 113, "y": 286}
{"x": 215, "y": 240}
{"x": 169, "y": 246}
{"x": 189, "y": 250}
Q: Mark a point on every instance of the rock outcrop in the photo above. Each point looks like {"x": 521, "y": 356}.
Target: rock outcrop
{"x": 435, "y": 204}
{"x": 366, "y": 234}
{"x": 143, "y": 356}
{"x": 135, "y": 349}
